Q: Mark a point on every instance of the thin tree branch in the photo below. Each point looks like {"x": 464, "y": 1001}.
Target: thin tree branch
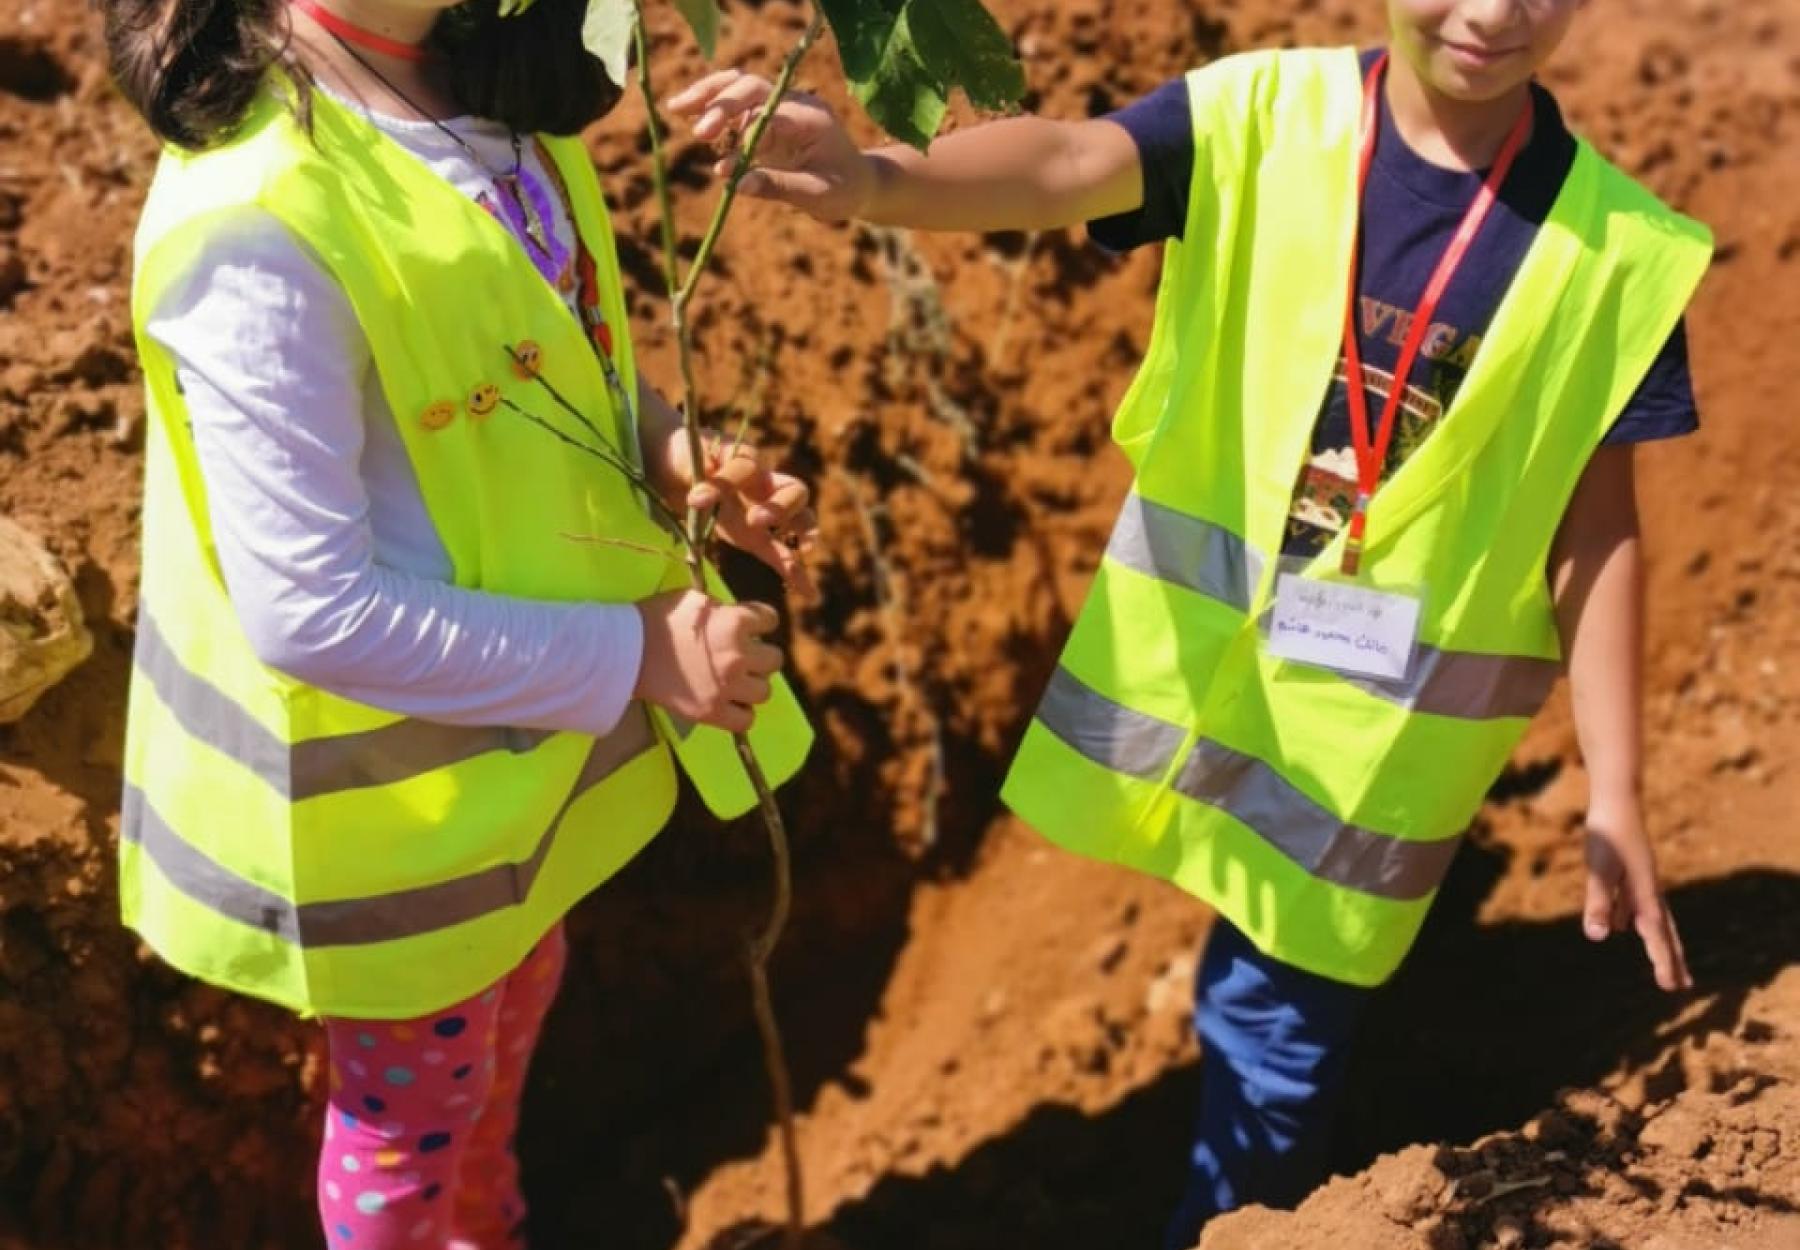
{"x": 696, "y": 533}
{"x": 667, "y": 516}
{"x": 659, "y": 161}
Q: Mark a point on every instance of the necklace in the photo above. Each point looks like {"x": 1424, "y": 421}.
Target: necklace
{"x": 342, "y": 29}
{"x": 523, "y": 204}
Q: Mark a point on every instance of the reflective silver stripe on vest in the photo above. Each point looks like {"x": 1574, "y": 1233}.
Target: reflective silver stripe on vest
{"x": 1209, "y": 559}
{"x": 1250, "y": 790}
{"x": 1161, "y": 542}
{"x": 317, "y": 766}
{"x": 381, "y": 918}
{"x": 1469, "y": 685}
{"x": 1110, "y": 734}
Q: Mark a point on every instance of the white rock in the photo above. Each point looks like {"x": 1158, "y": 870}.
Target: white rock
{"x": 42, "y": 634}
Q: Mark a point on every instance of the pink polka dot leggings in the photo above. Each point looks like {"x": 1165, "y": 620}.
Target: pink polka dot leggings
{"x": 419, "y": 1128}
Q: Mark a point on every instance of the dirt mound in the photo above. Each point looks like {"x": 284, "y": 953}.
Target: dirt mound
{"x": 1714, "y": 1167}
{"x": 989, "y": 1038}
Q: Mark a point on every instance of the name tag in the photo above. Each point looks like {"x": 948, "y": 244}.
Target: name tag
{"x": 1345, "y": 628}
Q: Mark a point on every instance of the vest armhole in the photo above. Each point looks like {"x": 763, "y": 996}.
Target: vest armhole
{"x": 1679, "y": 252}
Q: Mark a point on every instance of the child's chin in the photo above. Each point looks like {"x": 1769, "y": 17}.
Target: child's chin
{"x": 1476, "y": 86}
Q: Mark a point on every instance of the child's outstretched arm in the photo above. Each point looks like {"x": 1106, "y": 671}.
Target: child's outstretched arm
{"x": 1598, "y": 575}
{"x": 1021, "y": 173}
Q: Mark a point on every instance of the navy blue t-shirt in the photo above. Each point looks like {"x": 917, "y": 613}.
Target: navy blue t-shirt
{"x": 1412, "y": 210}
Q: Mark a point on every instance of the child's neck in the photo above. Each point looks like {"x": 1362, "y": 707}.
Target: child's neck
{"x": 1456, "y": 134}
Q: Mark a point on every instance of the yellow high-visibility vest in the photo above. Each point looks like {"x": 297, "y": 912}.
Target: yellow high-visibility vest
{"x": 318, "y": 852}
{"x": 1319, "y": 812}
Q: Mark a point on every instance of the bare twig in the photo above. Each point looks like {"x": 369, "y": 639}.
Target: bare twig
{"x": 682, "y": 296}
{"x": 670, "y": 519}
{"x": 697, "y": 531}
{"x": 595, "y": 540}
{"x": 557, "y": 396}
{"x": 659, "y": 161}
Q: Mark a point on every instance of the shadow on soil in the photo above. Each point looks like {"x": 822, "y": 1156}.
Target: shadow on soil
{"x": 1478, "y": 1033}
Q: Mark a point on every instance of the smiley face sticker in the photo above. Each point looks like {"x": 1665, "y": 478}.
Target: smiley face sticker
{"x": 436, "y": 416}
{"x": 483, "y": 400}
{"x": 528, "y": 358}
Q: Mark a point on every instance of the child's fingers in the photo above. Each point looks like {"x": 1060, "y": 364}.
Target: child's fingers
{"x": 763, "y": 619}
{"x": 748, "y": 690}
{"x": 1681, "y": 963}
{"x": 1604, "y": 874}
{"x": 784, "y": 559}
{"x": 1621, "y": 912}
{"x": 783, "y": 504}
{"x": 745, "y": 475}
{"x": 1653, "y": 928}
{"x": 1656, "y": 926}
{"x": 803, "y": 529}
{"x": 797, "y": 187}
{"x": 737, "y": 100}
{"x": 694, "y": 97}
{"x": 762, "y": 658}
{"x": 734, "y": 718}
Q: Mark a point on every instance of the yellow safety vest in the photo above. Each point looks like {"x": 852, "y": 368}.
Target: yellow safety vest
{"x": 318, "y": 852}
{"x": 1320, "y": 812}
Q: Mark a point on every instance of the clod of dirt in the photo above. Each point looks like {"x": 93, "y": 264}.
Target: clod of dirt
{"x": 42, "y": 634}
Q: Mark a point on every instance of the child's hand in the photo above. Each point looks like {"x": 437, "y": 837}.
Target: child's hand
{"x": 1623, "y": 892}
{"x": 805, "y": 159}
{"x": 706, "y": 661}
{"x": 760, "y": 511}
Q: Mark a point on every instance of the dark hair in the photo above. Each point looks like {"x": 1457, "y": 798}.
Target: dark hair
{"x": 531, "y": 71}
{"x": 192, "y": 68}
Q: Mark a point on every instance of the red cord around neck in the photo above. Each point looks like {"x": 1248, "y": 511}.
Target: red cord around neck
{"x": 350, "y": 32}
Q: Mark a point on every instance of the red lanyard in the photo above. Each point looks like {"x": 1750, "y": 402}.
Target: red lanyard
{"x": 587, "y": 294}
{"x": 343, "y": 28}
{"x": 1372, "y": 450}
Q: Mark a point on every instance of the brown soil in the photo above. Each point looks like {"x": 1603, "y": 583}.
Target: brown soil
{"x": 990, "y": 1039}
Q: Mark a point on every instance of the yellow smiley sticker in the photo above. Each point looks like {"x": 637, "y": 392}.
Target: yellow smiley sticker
{"x": 437, "y": 416}
{"x": 483, "y": 400}
{"x": 528, "y": 357}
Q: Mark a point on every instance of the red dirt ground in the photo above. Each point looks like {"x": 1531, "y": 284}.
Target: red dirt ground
{"x": 990, "y": 1040}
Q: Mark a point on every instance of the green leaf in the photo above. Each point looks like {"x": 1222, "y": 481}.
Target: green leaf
{"x": 703, "y": 18}
{"x": 606, "y": 32}
{"x": 904, "y": 57}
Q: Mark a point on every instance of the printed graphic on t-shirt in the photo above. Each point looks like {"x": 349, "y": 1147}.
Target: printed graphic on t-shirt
{"x": 1326, "y": 492}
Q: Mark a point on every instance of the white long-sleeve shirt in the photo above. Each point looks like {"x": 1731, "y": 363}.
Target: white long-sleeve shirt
{"x": 329, "y": 555}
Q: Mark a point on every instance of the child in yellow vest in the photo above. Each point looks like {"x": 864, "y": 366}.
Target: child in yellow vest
{"x": 390, "y": 716}
{"x": 1409, "y": 331}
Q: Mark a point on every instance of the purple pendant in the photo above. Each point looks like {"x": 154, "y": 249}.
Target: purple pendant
{"x": 524, "y": 209}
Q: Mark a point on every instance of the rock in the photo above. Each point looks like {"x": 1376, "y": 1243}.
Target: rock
{"x": 42, "y": 634}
